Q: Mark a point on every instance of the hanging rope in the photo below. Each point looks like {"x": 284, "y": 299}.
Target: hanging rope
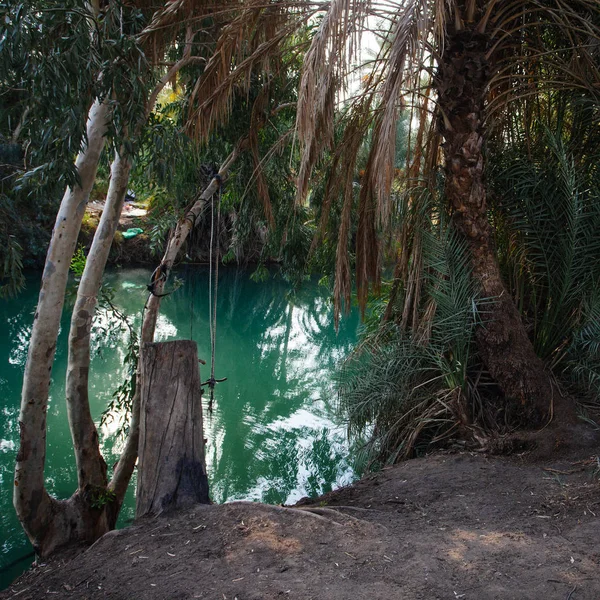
{"x": 212, "y": 302}
{"x": 214, "y": 312}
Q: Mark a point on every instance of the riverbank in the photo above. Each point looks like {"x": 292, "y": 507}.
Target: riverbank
{"x": 273, "y": 434}
{"x": 134, "y": 250}
{"x": 448, "y": 526}
{"x": 137, "y": 243}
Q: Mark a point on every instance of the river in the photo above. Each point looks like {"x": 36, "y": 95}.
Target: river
{"x": 272, "y": 435}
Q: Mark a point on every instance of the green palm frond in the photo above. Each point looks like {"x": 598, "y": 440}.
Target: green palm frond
{"x": 552, "y": 207}
{"x": 582, "y": 357}
{"x": 398, "y": 391}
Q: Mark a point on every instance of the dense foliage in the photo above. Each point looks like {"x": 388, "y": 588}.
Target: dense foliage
{"x": 49, "y": 76}
{"x": 400, "y": 389}
{"x": 347, "y": 183}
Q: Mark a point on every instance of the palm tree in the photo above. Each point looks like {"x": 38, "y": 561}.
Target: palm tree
{"x": 463, "y": 66}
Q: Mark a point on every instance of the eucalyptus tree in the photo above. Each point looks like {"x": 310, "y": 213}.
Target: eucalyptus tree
{"x": 462, "y": 65}
{"x": 46, "y": 52}
{"x": 142, "y": 41}
{"x": 46, "y": 520}
{"x": 124, "y": 36}
{"x": 91, "y": 468}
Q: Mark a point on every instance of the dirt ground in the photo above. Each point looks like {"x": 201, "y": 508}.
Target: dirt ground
{"x": 131, "y": 214}
{"x": 449, "y": 526}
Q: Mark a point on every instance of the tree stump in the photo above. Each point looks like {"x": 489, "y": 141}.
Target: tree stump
{"x": 171, "y": 467}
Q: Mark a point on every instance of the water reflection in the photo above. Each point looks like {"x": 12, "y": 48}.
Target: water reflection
{"x": 271, "y": 435}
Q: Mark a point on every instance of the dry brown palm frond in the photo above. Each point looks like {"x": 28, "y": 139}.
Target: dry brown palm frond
{"x": 343, "y": 162}
{"x": 229, "y": 46}
{"x": 406, "y": 51}
{"x": 168, "y": 21}
{"x": 342, "y": 289}
{"x": 419, "y": 173}
{"x": 341, "y": 183}
{"x": 251, "y": 44}
{"x": 556, "y": 45}
{"x": 414, "y": 280}
{"x": 367, "y": 249}
{"x": 383, "y": 86}
{"x": 324, "y": 72}
{"x": 423, "y": 332}
{"x": 256, "y": 123}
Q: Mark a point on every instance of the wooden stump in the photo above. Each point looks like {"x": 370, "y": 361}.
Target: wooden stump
{"x": 171, "y": 467}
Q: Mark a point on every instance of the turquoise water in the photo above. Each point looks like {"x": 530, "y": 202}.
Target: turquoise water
{"x": 272, "y": 435}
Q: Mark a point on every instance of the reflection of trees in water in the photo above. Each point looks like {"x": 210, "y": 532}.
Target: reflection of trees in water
{"x": 286, "y": 351}
{"x": 280, "y": 468}
{"x": 323, "y": 460}
{"x": 277, "y": 349}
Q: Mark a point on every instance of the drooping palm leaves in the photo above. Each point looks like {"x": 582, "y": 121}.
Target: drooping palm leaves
{"x": 532, "y": 47}
{"x": 503, "y": 58}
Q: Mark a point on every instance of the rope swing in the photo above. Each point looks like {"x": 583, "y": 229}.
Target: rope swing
{"x": 213, "y": 294}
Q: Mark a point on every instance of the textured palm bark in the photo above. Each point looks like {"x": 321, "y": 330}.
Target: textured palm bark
{"x": 35, "y": 509}
{"x": 502, "y": 340}
{"x": 91, "y": 467}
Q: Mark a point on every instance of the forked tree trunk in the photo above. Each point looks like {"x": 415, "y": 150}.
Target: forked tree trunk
{"x": 91, "y": 468}
{"x": 171, "y": 468}
{"x": 40, "y": 515}
{"x": 461, "y": 81}
{"x": 94, "y": 507}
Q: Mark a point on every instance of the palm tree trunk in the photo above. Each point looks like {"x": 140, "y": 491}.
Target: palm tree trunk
{"x": 503, "y": 343}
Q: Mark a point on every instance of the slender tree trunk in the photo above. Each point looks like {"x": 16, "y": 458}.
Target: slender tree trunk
{"x": 174, "y": 246}
{"x": 127, "y": 461}
{"x": 128, "y": 458}
{"x": 502, "y": 340}
{"x": 34, "y": 507}
{"x": 93, "y": 509}
{"x": 91, "y": 468}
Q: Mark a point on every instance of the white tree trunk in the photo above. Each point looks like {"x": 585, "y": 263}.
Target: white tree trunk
{"x": 50, "y": 523}
{"x": 30, "y": 498}
{"x": 91, "y": 468}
